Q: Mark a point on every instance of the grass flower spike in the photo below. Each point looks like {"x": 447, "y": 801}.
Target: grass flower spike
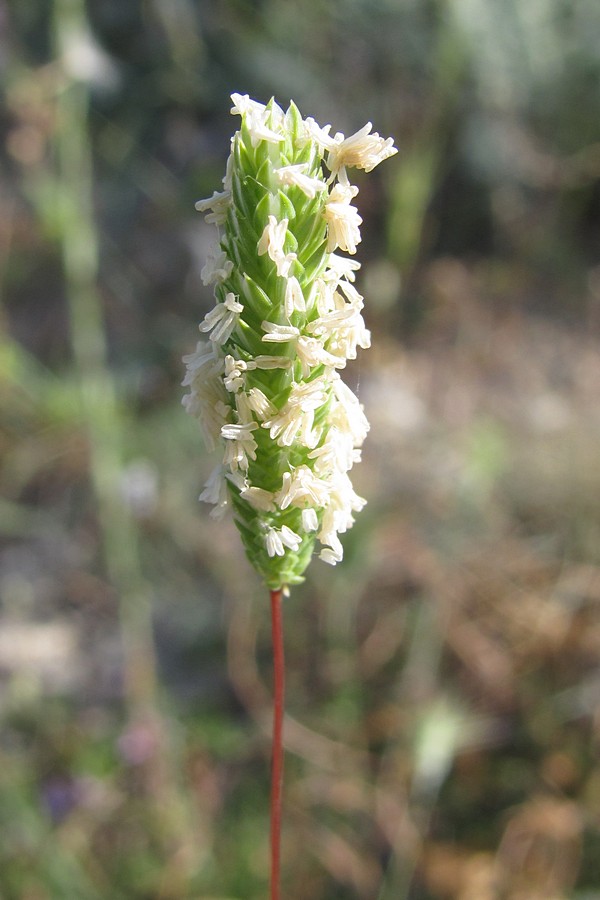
{"x": 264, "y": 382}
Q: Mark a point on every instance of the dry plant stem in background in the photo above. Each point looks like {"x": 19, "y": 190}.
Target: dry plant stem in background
{"x": 265, "y": 381}
{"x": 73, "y": 219}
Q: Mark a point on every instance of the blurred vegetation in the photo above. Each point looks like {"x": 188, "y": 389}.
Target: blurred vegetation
{"x": 443, "y": 709}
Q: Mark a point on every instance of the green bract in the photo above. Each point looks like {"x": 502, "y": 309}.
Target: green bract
{"x": 265, "y": 384}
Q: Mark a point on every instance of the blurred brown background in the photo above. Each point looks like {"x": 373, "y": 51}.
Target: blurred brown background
{"x": 444, "y": 682}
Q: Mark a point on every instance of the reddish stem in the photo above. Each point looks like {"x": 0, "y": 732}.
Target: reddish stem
{"x": 277, "y": 756}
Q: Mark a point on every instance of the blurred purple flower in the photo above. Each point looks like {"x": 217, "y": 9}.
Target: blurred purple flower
{"x": 60, "y": 794}
{"x": 138, "y": 743}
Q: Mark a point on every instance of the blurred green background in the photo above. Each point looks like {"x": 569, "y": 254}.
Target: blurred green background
{"x": 444, "y": 682}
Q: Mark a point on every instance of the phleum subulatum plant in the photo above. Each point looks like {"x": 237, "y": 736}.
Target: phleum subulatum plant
{"x": 265, "y": 381}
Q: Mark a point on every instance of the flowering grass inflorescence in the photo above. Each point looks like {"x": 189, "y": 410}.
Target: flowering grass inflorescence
{"x": 265, "y": 385}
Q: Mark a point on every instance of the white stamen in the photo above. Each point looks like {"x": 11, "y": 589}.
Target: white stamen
{"x": 277, "y": 539}
{"x": 255, "y": 118}
{"x": 273, "y": 543}
{"x": 278, "y": 334}
{"x": 290, "y": 538}
{"x": 215, "y": 488}
{"x": 311, "y": 352}
{"x": 362, "y": 150}
{"x": 294, "y": 176}
{"x": 341, "y": 267}
{"x": 259, "y": 404}
{"x": 272, "y": 242}
{"x": 234, "y": 376}
{"x": 342, "y": 219}
{"x": 219, "y": 204}
{"x": 240, "y": 444}
{"x": 301, "y": 487}
{"x": 310, "y": 521}
{"x": 222, "y": 319}
{"x": 259, "y": 499}
{"x": 295, "y": 420}
{"x": 319, "y": 135}
{"x": 218, "y": 268}
{"x": 294, "y": 298}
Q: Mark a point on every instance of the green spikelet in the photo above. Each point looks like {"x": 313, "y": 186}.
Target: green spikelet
{"x": 265, "y": 386}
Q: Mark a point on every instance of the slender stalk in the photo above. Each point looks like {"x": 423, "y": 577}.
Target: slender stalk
{"x": 277, "y": 755}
